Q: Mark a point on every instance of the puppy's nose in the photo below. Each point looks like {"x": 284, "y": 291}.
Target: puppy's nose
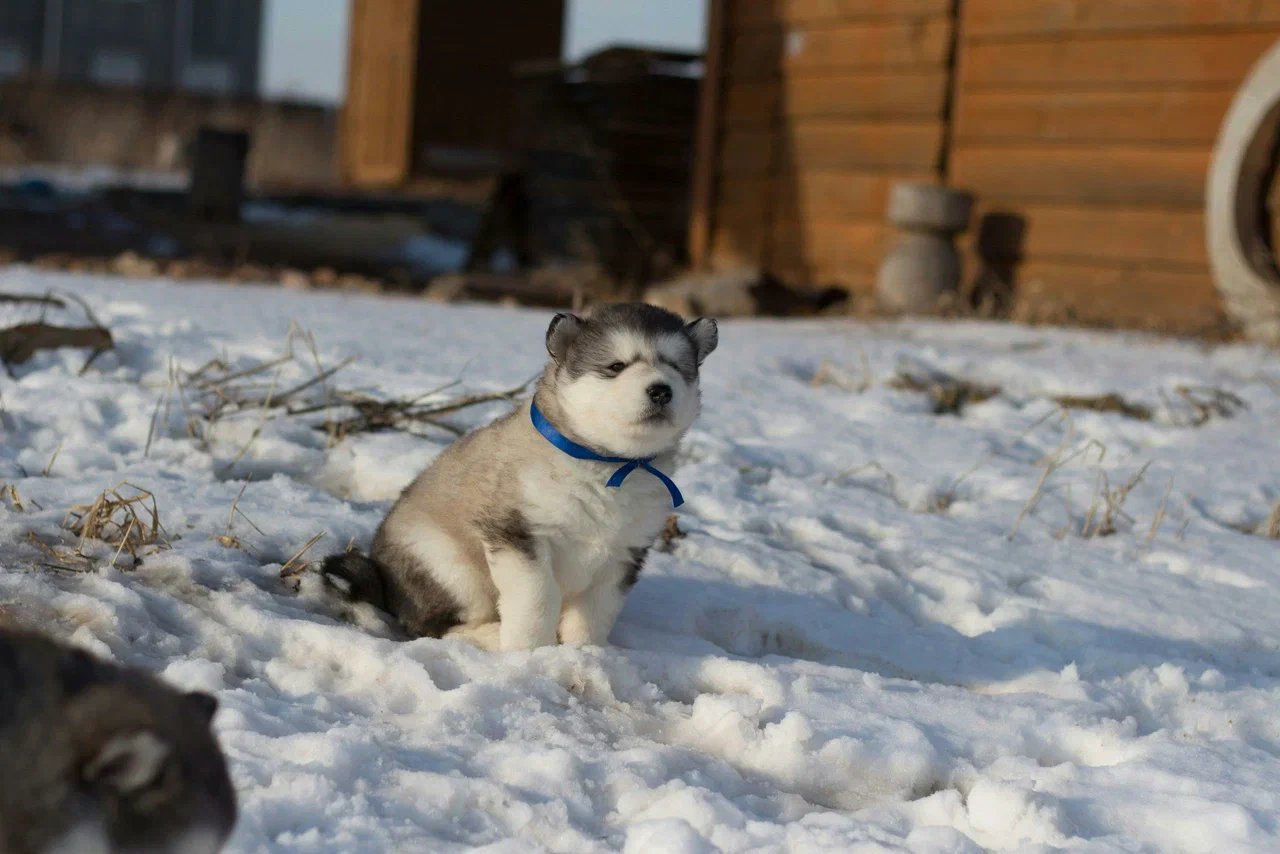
{"x": 660, "y": 393}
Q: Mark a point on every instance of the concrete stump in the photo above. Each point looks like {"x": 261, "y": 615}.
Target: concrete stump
{"x": 923, "y": 264}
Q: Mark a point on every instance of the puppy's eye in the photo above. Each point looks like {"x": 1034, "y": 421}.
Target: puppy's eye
{"x": 617, "y": 367}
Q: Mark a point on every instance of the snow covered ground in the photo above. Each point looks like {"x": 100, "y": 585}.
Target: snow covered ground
{"x": 851, "y": 649}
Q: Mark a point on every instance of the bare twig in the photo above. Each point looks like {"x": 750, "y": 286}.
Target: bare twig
{"x": 48, "y": 467}
{"x": 19, "y": 343}
{"x": 295, "y": 565}
{"x": 45, "y": 300}
{"x": 373, "y": 414}
{"x": 1158, "y": 520}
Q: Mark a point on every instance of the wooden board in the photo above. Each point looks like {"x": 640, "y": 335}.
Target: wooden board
{"x": 1096, "y": 175}
{"x": 987, "y": 18}
{"x": 837, "y": 194}
{"x": 823, "y": 145}
{"x": 829, "y": 244}
{"x": 1116, "y": 295}
{"x": 1158, "y": 236}
{"x": 1116, "y": 62}
{"x": 377, "y": 119}
{"x": 814, "y": 144}
{"x": 746, "y": 151}
{"x": 881, "y": 45}
{"x": 763, "y": 13}
{"x": 711, "y": 92}
{"x": 1157, "y": 116}
{"x": 864, "y": 95}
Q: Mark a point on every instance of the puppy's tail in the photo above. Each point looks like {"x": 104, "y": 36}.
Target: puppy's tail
{"x": 356, "y": 578}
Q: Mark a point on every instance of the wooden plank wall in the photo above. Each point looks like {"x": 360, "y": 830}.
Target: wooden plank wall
{"x": 822, "y": 105}
{"x": 1094, "y": 121}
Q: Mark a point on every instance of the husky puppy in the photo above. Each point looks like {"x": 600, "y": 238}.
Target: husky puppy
{"x": 533, "y": 528}
{"x": 100, "y": 758}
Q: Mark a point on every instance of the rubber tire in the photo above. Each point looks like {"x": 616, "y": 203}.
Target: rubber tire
{"x": 929, "y": 206}
{"x": 1243, "y": 265}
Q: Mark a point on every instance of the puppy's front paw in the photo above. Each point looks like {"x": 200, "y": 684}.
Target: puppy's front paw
{"x": 574, "y": 630}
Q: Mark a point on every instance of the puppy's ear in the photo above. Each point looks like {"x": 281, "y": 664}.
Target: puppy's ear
{"x": 560, "y": 334}
{"x": 127, "y": 763}
{"x": 705, "y": 336}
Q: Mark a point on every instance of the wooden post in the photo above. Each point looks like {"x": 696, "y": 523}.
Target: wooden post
{"x": 377, "y": 117}
{"x": 703, "y": 195}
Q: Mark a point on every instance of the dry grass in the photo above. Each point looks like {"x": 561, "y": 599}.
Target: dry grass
{"x": 9, "y": 495}
{"x": 59, "y": 557}
{"x": 1105, "y": 403}
{"x": 215, "y": 392}
{"x": 125, "y": 516}
{"x": 295, "y": 565}
{"x": 374, "y": 414}
{"x": 1202, "y": 404}
{"x": 1050, "y": 465}
{"x": 228, "y": 538}
{"x": 1161, "y": 513}
{"x": 830, "y": 374}
{"x": 1271, "y": 527}
{"x": 950, "y": 395}
{"x": 1107, "y": 507}
{"x": 671, "y": 532}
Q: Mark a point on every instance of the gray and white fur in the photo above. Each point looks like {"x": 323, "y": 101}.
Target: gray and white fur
{"x": 100, "y": 758}
{"x": 510, "y": 543}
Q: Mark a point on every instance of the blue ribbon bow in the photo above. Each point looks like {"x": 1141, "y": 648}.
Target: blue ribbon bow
{"x": 580, "y": 452}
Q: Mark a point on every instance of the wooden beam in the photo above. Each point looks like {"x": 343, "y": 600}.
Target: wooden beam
{"x": 377, "y": 118}
{"x": 876, "y": 46}
{"x": 1020, "y": 18}
{"x": 1118, "y": 62}
{"x": 1117, "y": 175}
{"x": 705, "y": 165}
{"x": 1158, "y": 116}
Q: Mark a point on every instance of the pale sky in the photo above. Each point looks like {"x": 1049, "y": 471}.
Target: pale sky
{"x": 305, "y": 41}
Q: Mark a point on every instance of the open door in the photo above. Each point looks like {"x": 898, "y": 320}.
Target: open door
{"x": 377, "y": 119}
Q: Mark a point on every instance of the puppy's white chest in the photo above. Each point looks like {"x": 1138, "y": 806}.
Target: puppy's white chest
{"x": 591, "y": 528}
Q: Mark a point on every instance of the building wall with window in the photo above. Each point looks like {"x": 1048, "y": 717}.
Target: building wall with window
{"x": 208, "y": 46}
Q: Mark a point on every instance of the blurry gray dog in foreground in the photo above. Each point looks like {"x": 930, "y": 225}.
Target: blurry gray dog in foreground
{"x": 95, "y": 757}
{"x": 532, "y": 529}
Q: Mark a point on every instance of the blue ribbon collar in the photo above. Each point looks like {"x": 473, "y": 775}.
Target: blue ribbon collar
{"x": 581, "y": 452}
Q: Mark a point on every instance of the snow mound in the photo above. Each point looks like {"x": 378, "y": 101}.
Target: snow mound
{"x": 856, "y": 645}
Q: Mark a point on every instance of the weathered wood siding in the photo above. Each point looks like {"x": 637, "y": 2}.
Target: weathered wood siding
{"x": 821, "y": 105}
{"x": 1094, "y": 121}
{"x": 1091, "y": 120}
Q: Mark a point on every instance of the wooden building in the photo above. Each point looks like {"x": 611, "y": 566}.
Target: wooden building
{"x": 1083, "y": 127}
{"x": 431, "y": 85}
{"x": 592, "y": 159}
